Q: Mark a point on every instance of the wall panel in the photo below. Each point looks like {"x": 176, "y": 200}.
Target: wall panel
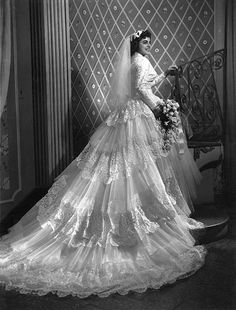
{"x": 17, "y": 142}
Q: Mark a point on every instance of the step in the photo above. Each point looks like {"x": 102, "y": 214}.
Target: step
{"x": 215, "y": 220}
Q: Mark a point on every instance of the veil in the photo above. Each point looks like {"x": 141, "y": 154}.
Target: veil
{"x": 120, "y": 90}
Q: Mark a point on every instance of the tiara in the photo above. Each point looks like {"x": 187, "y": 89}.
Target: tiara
{"x": 136, "y": 35}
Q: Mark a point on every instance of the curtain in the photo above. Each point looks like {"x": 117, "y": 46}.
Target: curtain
{"x": 5, "y": 50}
{"x": 230, "y": 112}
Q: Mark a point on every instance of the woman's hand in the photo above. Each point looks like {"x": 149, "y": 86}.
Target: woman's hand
{"x": 171, "y": 70}
{"x": 157, "y": 111}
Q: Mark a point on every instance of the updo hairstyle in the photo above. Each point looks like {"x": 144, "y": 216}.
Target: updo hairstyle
{"x": 136, "y": 38}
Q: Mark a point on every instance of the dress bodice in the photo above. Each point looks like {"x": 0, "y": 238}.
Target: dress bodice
{"x": 143, "y": 78}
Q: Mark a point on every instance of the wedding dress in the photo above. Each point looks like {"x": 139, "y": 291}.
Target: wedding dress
{"x": 117, "y": 218}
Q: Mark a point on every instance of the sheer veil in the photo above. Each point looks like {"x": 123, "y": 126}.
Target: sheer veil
{"x": 120, "y": 90}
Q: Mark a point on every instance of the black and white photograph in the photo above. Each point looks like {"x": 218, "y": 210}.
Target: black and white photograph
{"x": 118, "y": 154}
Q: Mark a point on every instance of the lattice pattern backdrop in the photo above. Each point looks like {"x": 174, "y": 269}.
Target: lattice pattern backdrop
{"x": 182, "y": 30}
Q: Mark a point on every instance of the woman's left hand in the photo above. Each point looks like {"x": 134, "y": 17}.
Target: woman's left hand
{"x": 157, "y": 111}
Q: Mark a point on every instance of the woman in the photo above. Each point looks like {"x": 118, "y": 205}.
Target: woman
{"x": 116, "y": 219}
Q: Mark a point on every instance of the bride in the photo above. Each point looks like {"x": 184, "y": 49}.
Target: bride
{"x": 117, "y": 218}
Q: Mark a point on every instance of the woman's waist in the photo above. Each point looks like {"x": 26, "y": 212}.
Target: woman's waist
{"x": 132, "y": 108}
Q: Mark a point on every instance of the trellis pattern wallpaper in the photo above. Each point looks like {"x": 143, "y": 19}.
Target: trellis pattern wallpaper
{"x": 182, "y": 30}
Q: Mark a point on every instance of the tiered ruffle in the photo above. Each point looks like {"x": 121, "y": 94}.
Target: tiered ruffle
{"x": 115, "y": 220}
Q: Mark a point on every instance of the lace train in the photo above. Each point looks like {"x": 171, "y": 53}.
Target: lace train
{"x": 116, "y": 219}
{"x": 109, "y": 278}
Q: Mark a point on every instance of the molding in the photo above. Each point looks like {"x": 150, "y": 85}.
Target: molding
{"x": 39, "y": 93}
{"x": 58, "y": 83}
{"x": 51, "y": 88}
{"x": 219, "y": 42}
{"x": 219, "y": 24}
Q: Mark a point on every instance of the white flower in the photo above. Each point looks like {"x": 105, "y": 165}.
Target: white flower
{"x": 176, "y": 104}
{"x": 136, "y": 35}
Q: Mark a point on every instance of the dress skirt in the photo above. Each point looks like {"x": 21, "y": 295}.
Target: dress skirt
{"x": 115, "y": 220}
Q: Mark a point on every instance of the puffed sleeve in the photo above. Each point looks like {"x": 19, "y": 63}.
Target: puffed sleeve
{"x": 144, "y": 82}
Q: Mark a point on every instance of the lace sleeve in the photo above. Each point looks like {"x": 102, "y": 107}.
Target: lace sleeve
{"x": 143, "y": 84}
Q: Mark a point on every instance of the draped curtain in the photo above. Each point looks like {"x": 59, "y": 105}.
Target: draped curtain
{"x": 230, "y": 115}
{"x": 5, "y": 50}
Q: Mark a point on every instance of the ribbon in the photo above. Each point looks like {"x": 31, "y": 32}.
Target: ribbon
{"x": 180, "y": 139}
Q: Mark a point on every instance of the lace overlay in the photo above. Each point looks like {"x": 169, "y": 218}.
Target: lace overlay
{"x": 42, "y": 279}
{"x": 128, "y": 112}
{"x": 50, "y": 203}
{"x": 109, "y": 166}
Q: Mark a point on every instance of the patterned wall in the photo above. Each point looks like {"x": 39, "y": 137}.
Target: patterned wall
{"x": 182, "y": 30}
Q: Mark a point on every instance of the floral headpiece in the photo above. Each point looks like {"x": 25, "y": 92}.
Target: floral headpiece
{"x": 136, "y": 34}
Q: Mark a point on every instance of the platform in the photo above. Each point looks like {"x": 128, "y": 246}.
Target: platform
{"x": 216, "y": 221}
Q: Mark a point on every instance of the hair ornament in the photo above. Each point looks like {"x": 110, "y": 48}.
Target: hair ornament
{"x": 136, "y": 35}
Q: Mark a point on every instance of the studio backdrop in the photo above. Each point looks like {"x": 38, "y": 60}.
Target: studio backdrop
{"x": 182, "y": 30}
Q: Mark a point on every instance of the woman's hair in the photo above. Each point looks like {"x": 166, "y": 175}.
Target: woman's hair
{"x": 135, "y": 39}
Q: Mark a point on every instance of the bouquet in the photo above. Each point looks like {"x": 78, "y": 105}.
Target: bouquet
{"x": 168, "y": 115}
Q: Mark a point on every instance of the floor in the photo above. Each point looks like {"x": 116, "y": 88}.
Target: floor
{"x": 212, "y": 287}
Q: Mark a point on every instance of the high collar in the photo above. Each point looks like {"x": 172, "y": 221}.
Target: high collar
{"x": 136, "y": 54}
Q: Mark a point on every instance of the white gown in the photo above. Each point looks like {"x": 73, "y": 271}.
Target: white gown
{"x": 117, "y": 218}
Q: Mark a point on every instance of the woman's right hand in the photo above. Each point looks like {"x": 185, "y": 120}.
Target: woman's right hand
{"x": 171, "y": 70}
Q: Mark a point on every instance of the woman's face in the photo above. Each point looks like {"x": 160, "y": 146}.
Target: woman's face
{"x": 144, "y": 46}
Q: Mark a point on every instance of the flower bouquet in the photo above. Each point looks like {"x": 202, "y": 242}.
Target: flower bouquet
{"x": 170, "y": 122}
